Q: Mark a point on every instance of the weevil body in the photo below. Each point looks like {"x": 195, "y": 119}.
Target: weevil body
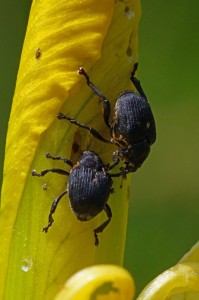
{"x": 89, "y": 187}
{"x": 132, "y": 129}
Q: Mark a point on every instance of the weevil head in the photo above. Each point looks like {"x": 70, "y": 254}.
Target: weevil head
{"x": 134, "y": 155}
{"x": 90, "y": 159}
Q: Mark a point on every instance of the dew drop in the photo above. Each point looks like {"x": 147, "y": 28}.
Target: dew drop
{"x": 26, "y": 264}
{"x": 44, "y": 186}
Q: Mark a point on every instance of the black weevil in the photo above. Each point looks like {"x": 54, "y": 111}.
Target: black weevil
{"x": 132, "y": 128}
{"x": 89, "y": 187}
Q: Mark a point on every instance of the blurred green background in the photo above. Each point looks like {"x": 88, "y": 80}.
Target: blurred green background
{"x": 164, "y": 209}
{"x": 163, "y": 217}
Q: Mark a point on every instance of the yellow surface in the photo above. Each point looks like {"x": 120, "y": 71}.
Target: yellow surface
{"x": 61, "y": 36}
{"x": 102, "y": 282}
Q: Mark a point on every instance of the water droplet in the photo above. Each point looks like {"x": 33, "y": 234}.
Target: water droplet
{"x": 44, "y": 186}
{"x": 26, "y": 264}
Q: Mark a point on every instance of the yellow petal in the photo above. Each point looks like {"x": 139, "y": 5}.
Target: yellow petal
{"x": 61, "y": 36}
{"x": 192, "y": 255}
{"x": 179, "y": 282}
{"x": 99, "y": 282}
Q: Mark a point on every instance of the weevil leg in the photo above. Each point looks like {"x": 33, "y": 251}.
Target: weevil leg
{"x": 123, "y": 174}
{"x": 123, "y": 171}
{"x": 116, "y": 174}
{"x": 93, "y": 131}
{"x": 54, "y": 170}
{"x": 106, "y": 111}
{"x": 136, "y": 82}
{"x": 107, "y": 209}
{"x": 106, "y": 103}
{"x": 116, "y": 161}
{"x": 67, "y": 161}
{"x": 117, "y": 155}
{"x": 52, "y": 210}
